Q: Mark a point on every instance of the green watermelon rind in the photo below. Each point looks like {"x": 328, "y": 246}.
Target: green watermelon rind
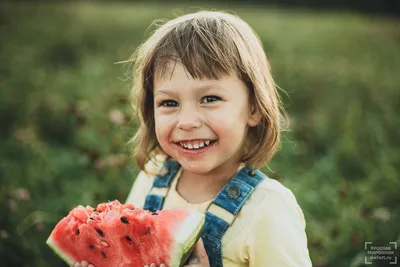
{"x": 187, "y": 237}
{"x": 188, "y": 252}
{"x": 52, "y": 244}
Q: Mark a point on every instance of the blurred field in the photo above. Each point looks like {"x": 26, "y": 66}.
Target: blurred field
{"x": 65, "y": 120}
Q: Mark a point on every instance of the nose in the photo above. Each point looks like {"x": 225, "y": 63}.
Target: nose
{"x": 189, "y": 119}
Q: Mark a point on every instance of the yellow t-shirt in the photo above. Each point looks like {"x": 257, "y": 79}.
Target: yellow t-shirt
{"x": 268, "y": 231}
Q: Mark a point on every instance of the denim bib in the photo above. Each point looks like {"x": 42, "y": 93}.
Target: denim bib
{"x": 231, "y": 198}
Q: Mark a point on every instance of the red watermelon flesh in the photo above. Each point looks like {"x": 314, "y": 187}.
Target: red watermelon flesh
{"x": 117, "y": 235}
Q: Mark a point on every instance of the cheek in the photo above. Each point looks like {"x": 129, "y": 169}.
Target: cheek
{"x": 162, "y": 128}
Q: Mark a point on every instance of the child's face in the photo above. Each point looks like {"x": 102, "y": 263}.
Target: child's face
{"x": 201, "y": 123}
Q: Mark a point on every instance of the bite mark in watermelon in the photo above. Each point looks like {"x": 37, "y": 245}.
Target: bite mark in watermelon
{"x": 117, "y": 235}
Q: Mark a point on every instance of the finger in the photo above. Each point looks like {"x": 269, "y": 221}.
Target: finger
{"x": 201, "y": 254}
{"x": 146, "y": 266}
{"x": 91, "y": 265}
{"x": 194, "y": 260}
{"x": 153, "y": 265}
{"x": 162, "y": 265}
{"x": 77, "y": 264}
{"x": 84, "y": 264}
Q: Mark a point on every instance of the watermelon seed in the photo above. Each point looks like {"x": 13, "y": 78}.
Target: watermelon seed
{"x": 103, "y": 254}
{"x": 91, "y": 218}
{"x": 95, "y": 210}
{"x": 154, "y": 213}
{"x": 77, "y": 232}
{"x": 100, "y": 232}
{"x": 104, "y": 243}
{"x": 124, "y": 220}
{"x": 128, "y": 238}
{"x": 148, "y": 230}
{"x": 91, "y": 246}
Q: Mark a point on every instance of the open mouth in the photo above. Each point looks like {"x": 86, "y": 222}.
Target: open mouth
{"x": 196, "y": 145}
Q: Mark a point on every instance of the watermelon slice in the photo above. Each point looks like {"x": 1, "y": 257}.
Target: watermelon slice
{"x": 117, "y": 235}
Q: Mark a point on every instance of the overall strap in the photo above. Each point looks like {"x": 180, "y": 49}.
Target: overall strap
{"x": 155, "y": 199}
{"x": 230, "y": 200}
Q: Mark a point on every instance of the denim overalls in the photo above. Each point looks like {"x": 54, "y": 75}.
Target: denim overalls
{"x": 231, "y": 198}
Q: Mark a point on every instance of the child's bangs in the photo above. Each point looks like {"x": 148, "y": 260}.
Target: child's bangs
{"x": 206, "y": 51}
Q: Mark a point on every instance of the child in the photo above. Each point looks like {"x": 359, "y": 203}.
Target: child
{"x": 210, "y": 117}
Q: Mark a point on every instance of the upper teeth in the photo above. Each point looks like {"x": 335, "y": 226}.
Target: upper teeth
{"x": 195, "y": 144}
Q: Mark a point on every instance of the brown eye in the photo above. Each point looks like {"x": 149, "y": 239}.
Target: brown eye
{"x": 169, "y": 103}
{"x": 211, "y": 98}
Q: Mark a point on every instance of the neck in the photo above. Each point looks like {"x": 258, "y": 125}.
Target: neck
{"x": 200, "y": 187}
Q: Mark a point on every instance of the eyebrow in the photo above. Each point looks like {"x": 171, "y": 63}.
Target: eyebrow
{"x": 204, "y": 88}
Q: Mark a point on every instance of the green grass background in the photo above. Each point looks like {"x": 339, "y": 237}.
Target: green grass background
{"x": 60, "y": 148}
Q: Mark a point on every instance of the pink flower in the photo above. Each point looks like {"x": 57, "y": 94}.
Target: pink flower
{"x": 4, "y": 234}
{"x": 117, "y": 117}
{"x": 22, "y": 194}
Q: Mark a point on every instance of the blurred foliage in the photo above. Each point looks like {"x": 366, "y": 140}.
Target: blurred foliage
{"x": 66, "y": 119}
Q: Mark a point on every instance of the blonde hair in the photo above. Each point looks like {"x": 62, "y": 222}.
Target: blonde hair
{"x": 208, "y": 44}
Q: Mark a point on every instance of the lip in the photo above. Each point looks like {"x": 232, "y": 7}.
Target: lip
{"x": 193, "y": 152}
{"x": 193, "y": 140}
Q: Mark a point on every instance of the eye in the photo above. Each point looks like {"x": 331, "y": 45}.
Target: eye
{"x": 210, "y": 98}
{"x": 168, "y": 103}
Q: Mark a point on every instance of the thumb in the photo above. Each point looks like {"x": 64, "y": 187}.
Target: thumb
{"x": 201, "y": 254}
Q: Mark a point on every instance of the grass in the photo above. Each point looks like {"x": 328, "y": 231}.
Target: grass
{"x": 60, "y": 83}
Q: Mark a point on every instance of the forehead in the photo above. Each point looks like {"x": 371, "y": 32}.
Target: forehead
{"x": 167, "y": 67}
{"x": 176, "y": 78}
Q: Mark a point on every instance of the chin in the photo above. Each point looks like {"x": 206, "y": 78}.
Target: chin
{"x": 197, "y": 168}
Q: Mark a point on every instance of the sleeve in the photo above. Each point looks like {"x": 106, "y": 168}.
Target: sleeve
{"x": 276, "y": 237}
{"x": 144, "y": 182}
{"x": 139, "y": 190}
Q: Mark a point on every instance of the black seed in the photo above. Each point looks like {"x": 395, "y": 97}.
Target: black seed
{"x": 91, "y": 246}
{"x": 103, "y": 254}
{"x": 91, "y": 218}
{"x": 100, "y": 232}
{"x": 124, "y": 219}
{"x": 77, "y": 232}
{"x": 128, "y": 238}
{"x": 154, "y": 213}
{"x": 95, "y": 210}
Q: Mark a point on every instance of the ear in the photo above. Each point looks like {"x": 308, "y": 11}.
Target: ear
{"x": 254, "y": 117}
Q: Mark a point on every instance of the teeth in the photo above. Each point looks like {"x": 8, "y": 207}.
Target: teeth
{"x": 195, "y": 145}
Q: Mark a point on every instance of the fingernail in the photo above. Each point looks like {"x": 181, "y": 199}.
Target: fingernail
{"x": 162, "y": 265}
{"x": 146, "y": 266}
{"x": 84, "y": 263}
{"x": 77, "y": 264}
{"x": 153, "y": 265}
{"x": 91, "y": 265}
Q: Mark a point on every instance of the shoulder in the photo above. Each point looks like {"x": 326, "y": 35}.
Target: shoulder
{"x": 273, "y": 203}
{"x": 276, "y": 234}
{"x": 144, "y": 181}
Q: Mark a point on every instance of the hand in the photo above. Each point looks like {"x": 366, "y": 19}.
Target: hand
{"x": 81, "y": 264}
{"x": 199, "y": 256}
